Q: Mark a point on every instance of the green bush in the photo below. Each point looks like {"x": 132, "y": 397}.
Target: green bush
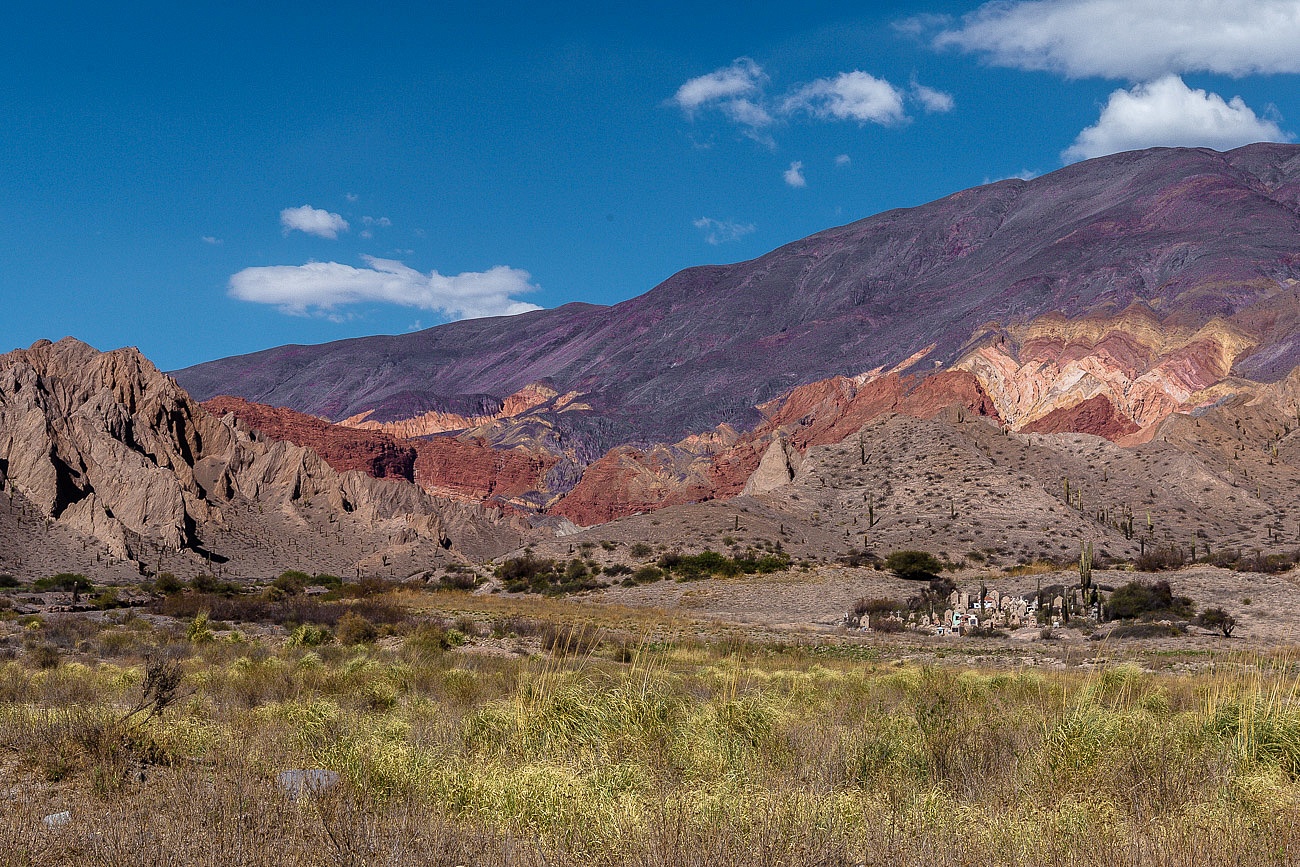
{"x": 67, "y": 582}
{"x": 707, "y": 564}
{"x": 1140, "y": 600}
{"x": 914, "y": 565}
{"x": 291, "y": 581}
{"x": 167, "y": 583}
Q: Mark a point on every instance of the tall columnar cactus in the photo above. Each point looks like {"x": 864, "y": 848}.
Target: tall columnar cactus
{"x": 1085, "y": 565}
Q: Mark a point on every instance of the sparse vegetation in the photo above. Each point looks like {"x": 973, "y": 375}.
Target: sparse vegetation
{"x": 613, "y": 752}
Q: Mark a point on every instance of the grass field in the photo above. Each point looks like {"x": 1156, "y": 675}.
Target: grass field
{"x": 583, "y": 748}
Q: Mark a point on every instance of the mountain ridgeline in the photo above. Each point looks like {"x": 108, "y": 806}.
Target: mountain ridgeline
{"x": 1165, "y": 241}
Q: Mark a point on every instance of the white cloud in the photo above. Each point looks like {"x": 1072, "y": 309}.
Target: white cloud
{"x": 794, "y": 175}
{"x": 849, "y": 96}
{"x": 919, "y": 25}
{"x": 843, "y": 160}
{"x": 1166, "y": 112}
{"x": 721, "y": 231}
{"x": 351, "y": 197}
{"x": 931, "y": 99}
{"x": 313, "y": 221}
{"x": 383, "y": 222}
{"x": 739, "y": 93}
{"x": 1133, "y": 39}
{"x": 321, "y": 287}
{"x": 736, "y": 91}
{"x": 209, "y": 239}
{"x": 743, "y": 78}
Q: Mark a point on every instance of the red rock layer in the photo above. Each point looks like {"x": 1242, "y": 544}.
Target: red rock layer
{"x": 627, "y": 480}
{"x": 467, "y": 470}
{"x": 475, "y": 470}
{"x": 373, "y": 453}
{"x": 1096, "y": 415}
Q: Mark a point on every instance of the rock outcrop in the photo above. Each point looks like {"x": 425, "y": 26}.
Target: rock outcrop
{"x": 106, "y": 446}
{"x": 459, "y": 468}
{"x": 776, "y": 469}
{"x": 371, "y": 452}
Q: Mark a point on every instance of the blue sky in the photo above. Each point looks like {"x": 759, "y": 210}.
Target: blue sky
{"x": 203, "y": 180}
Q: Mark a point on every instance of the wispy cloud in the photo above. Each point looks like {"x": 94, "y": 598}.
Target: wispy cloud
{"x": 722, "y": 231}
{"x": 932, "y": 100}
{"x": 1167, "y": 112}
{"x": 322, "y": 287}
{"x": 843, "y": 160}
{"x": 214, "y": 241}
{"x": 312, "y": 221}
{"x": 794, "y": 175}
{"x": 739, "y": 92}
{"x": 1022, "y": 175}
{"x": 1130, "y": 39}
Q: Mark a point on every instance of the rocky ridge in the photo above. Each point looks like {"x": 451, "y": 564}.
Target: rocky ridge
{"x": 112, "y": 455}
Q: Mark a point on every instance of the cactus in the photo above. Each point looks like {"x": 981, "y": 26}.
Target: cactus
{"x": 1085, "y": 564}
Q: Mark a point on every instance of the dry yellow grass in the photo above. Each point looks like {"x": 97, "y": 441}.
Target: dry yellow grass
{"x": 656, "y": 753}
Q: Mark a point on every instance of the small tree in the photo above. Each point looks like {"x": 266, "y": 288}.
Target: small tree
{"x": 914, "y": 565}
{"x": 1218, "y": 619}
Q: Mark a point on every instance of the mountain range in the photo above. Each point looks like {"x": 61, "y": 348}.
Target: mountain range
{"x": 1108, "y": 352}
{"x": 1100, "y": 298}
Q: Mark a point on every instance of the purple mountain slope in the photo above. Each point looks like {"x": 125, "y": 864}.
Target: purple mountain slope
{"x": 1191, "y": 233}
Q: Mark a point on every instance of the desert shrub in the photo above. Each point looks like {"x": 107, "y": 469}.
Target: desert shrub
{"x": 1140, "y": 600}
{"x": 1161, "y": 560}
{"x": 706, "y": 564}
{"x": 43, "y": 654}
{"x": 458, "y": 581}
{"x": 618, "y": 569}
{"x": 205, "y": 583}
{"x": 168, "y": 583}
{"x": 914, "y": 565}
{"x": 66, "y": 582}
{"x": 640, "y": 550}
{"x": 291, "y": 581}
{"x": 283, "y": 611}
{"x": 352, "y": 628}
{"x": 1269, "y": 564}
{"x": 199, "y": 630}
{"x": 647, "y": 575}
{"x": 9, "y": 581}
{"x": 310, "y": 635}
{"x": 1218, "y": 620}
{"x": 986, "y": 632}
{"x": 858, "y": 558}
{"x": 528, "y": 574}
